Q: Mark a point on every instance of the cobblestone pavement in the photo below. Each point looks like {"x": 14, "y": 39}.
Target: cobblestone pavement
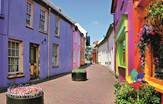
{"x": 98, "y": 89}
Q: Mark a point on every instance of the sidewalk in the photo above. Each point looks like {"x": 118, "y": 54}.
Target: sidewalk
{"x": 98, "y": 89}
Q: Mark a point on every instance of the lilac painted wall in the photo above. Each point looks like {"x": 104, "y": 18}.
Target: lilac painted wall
{"x": 13, "y": 27}
{"x": 76, "y": 49}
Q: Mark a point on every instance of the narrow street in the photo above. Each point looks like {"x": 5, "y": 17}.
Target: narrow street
{"x": 98, "y": 89}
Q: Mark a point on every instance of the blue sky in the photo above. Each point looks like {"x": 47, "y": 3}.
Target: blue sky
{"x": 93, "y": 15}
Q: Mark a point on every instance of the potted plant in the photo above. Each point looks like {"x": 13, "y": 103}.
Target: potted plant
{"x": 79, "y": 75}
{"x": 24, "y": 95}
{"x": 136, "y": 93}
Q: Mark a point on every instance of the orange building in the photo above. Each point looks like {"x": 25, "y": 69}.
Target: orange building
{"x": 140, "y": 13}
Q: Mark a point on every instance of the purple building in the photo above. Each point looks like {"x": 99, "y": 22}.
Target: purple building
{"x": 35, "y": 40}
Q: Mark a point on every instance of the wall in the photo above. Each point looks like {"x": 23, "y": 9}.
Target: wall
{"x": 111, "y": 51}
{"x": 102, "y": 52}
{"x": 76, "y": 49}
{"x": 14, "y": 27}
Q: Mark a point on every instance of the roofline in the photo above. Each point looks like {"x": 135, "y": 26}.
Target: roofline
{"x": 110, "y": 29}
{"x": 52, "y": 6}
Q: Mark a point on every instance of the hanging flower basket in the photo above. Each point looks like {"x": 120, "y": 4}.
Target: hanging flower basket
{"x": 148, "y": 36}
{"x": 155, "y": 16}
{"x": 24, "y": 95}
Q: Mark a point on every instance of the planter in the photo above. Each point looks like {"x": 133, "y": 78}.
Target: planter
{"x": 24, "y": 95}
{"x": 79, "y": 75}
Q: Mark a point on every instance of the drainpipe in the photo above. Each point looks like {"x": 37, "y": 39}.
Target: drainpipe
{"x": 49, "y": 43}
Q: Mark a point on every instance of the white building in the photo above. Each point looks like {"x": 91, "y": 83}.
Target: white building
{"x": 106, "y": 50}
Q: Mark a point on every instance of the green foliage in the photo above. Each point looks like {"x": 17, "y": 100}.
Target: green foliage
{"x": 126, "y": 94}
{"x": 156, "y": 9}
{"x": 79, "y": 71}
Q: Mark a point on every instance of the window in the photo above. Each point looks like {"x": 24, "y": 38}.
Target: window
{"x": 55, "y": 55}
{"x": 43, "y": 20}
{"x": 159, "y": 66}
{"x": 29, "y": 13}
{"x": 57, "y": 30}
{"x": 15, "y": 60}
{"x": 124, "y": 52}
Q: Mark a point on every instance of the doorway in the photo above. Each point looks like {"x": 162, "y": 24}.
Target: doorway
{"x": 34, "y": 61}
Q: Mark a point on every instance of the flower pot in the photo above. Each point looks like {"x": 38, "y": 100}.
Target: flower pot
{"x": 76, "y": 76}
{"x": 24, "y": 96}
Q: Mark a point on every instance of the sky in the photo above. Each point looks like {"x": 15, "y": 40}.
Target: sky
{"x": 93, "y": 15}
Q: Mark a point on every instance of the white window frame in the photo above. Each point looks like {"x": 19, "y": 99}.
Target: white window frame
{"x": 31, "y": 3}
{"x": 13, "y": 55}
{"x": 55, "y": 55}
{"x": 45, "y": 21}
{"x": 58, "y": 26}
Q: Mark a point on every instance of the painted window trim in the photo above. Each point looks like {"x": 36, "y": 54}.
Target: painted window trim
{"x": 58, "y": 26}
{"x": 32, "y": 14}
{"x": 149, "y": 73}
{"x": 20, "y": 58}
{"x": 45, "y": 31}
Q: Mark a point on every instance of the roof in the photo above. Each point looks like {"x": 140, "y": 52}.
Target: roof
{"x": 110, "y": 29}
{"x": 57, "y": 9}
{"x": 113, "y": 6}
{"x": 81, "y": 29}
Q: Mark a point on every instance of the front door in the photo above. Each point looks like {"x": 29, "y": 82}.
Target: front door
{"x": 34, "y": 61}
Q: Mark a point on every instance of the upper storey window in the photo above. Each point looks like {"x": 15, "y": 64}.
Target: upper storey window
{"x": 43, "y": 25}
{"x": 29, "y": 13}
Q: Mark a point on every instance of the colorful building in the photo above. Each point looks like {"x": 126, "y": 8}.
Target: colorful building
{"x": 36, "y": 41}
{"x": 152, "y": 75}
{"x": 76, "y": 48}
{"x": 82, "y": 43}
{"x": 122, "y": 11}
{"x": 130, "y": 16}
{"x": 94, "y": 52}
{"x": 78, "y": 45}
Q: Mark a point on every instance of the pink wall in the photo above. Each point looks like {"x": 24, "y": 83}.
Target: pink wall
{"x": 76, "y": 49}
{"x": 130, "y": 36}
{"x": 126, "y": 7}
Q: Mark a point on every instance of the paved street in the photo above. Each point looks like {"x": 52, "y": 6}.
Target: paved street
{"x": 98, "y": 89}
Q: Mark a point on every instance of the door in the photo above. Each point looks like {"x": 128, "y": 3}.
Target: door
{"x": 34, "y": 61}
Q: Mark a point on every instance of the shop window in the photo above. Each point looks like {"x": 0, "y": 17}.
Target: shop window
{"x": 159, "y": 62}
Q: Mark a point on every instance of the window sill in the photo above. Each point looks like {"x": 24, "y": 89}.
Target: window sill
{"x": 157, "y": 83}
{"x": 121, "y": 66}
{"x": 57, "y": 36}
{"x": 17, "y": 75}
{"x": 30, "y": 27}
{"x": 43, "y": 32}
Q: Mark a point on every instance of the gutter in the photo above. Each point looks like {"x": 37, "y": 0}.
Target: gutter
{"x": 49, "y": 44}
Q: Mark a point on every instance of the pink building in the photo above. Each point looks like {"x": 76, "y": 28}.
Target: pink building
{"x": 76, "y": 48}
